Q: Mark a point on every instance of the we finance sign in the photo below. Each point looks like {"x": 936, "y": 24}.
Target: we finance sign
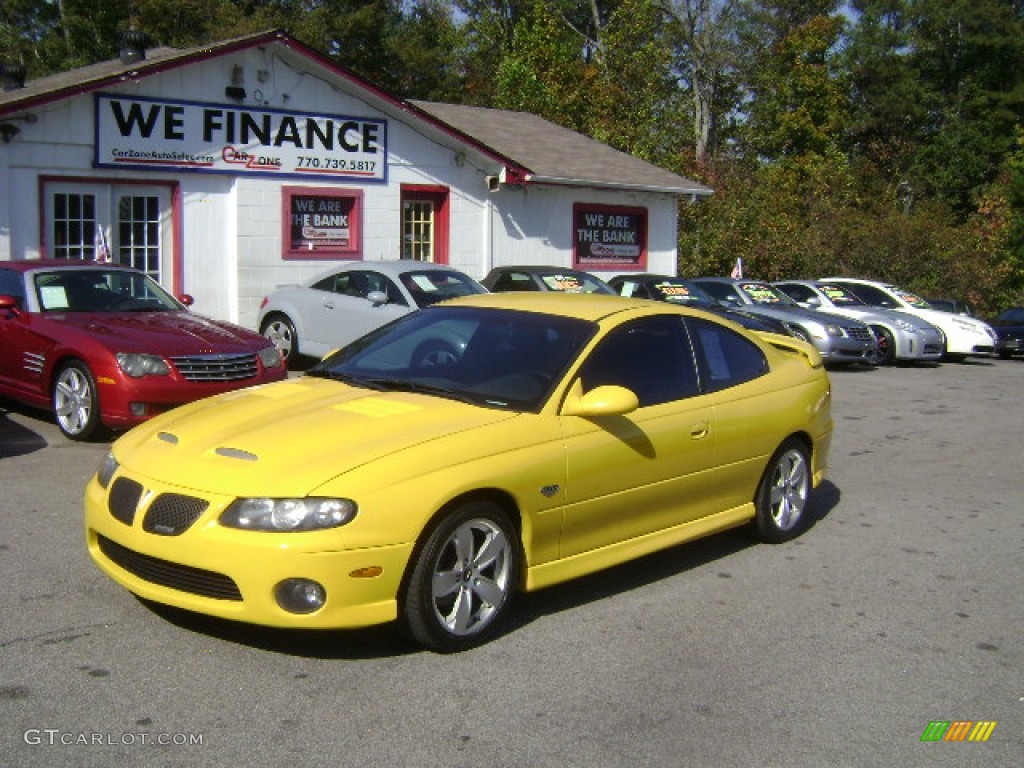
{"x": 159, "y": 134}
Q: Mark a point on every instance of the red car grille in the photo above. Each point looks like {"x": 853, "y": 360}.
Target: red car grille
{"x": 216, "y": 367}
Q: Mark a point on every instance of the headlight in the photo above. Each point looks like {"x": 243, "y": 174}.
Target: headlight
{"x": 138, "y": 365}
{"x": 908, "y": 327}
{"x": 833, "y": 330}
{"x": 107, "y": 469}
{"x": 270, "y": 357}
{"x": 966, "y": 326}
{"x": 309, "y": 514}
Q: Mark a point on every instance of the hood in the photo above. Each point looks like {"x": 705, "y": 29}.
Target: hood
{"x": 167, "y": 333}
{"x": 289, "y": 438}
{"x": 938, "y": 318}
{"x": 795, "y": 314}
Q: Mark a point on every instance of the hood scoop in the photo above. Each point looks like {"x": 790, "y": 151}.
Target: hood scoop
{"x": 236, "y": 453}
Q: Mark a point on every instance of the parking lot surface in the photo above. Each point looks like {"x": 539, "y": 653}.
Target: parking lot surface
{"x": 898, "y": 611}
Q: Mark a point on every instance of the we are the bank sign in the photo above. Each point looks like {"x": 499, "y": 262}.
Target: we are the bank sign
{"x": 190, "y": 136}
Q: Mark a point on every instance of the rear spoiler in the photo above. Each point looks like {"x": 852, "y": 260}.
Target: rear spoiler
{"x": 790, "y": 345}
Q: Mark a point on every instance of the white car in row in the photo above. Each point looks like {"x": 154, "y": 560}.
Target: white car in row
{"x": 349, "y": 300}
{"x": 901, "y": 337}
{"x": 965, "y": 336}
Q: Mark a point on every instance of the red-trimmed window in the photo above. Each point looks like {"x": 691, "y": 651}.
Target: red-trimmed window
{"x": 424, "y": 223}
{"x": 321, "y": 223}
{"x": 608, "y": 237}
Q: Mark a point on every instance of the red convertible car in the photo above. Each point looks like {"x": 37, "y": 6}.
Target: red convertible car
{"x": 104, "y": 346}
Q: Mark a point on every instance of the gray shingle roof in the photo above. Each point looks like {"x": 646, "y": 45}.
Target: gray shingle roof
{"x": 556, "y": 154}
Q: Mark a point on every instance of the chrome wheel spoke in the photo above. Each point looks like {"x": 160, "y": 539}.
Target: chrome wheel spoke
{"x": 446, "y": 582}
{"x": 470, "y": 581}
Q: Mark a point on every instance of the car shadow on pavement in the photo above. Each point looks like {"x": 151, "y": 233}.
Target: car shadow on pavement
{"x": 389, "y": 640}
{"x": 383, "y": 641}
{"x": 17, "y": 440}
{"x": 657, "y": 566}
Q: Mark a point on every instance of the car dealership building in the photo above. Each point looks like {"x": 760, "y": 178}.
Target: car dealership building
{"x": 226, "y": 170}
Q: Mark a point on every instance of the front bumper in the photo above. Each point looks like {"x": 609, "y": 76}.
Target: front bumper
{"x": 845, "y": 350}
{"x": 232, "y": 574}
{"x": 925, "y": 345}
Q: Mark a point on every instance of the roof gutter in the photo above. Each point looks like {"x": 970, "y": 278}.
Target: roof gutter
{"x": 533, "y": 178}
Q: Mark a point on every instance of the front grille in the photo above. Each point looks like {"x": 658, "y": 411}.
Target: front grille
{"x": 216, "y": 367}
{"x": 124, "y": 499}
{"x": 171, "y": 514}
{"x": 167, "y": 574}
{"x": 863, "y": 334}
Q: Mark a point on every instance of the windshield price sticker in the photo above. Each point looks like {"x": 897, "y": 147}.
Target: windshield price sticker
{"x": 177, "y": 135}
{"x": 760, "y": 294}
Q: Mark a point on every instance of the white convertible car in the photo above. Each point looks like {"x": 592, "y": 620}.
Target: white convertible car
{"x": 348, "y": 301}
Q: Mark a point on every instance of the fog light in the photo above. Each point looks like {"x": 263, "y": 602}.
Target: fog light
{"x": 300, "y": 595}
{"x": 138, "y": 409}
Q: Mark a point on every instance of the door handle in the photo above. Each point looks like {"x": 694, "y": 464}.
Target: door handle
{"x": 700, "y": 430}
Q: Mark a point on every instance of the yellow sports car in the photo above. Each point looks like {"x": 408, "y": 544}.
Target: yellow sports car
{"x": 467, "y": 451}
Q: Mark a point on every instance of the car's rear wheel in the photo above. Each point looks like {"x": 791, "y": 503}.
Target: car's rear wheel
{"x": 885, "y": 345}
{"x": 462, "y": 578}
{"x": 280, "y": 330}
{"x": 781, "y": 500}
{"x": 76, "y": 406}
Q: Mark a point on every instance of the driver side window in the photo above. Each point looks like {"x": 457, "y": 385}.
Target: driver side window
{"x": 651, "y": 357}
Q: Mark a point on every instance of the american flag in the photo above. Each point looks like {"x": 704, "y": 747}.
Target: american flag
{"x": 102, "y": 250}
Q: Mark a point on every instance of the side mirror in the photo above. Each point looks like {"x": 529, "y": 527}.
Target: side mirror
{"x": 186, "y": 299}
{"x": 608, "y": 400}
{"x": 9, "y": 302}
{"x": 813, "y": 302}
{"x": 377, "y": 298}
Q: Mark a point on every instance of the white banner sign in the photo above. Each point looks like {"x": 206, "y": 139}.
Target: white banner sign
{"x": 189, "y": 136}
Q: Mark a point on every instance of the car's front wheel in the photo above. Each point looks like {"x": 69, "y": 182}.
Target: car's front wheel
{"x": 462, "y": 578}
{"x": 781, "y": 500}
{"x": 885, "y": 345}
{"x": 280, "y": 330}
{"x": 76, "y": 406}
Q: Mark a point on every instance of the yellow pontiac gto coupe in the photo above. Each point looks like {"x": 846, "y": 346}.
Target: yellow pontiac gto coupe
{"x": 486, "y": 445}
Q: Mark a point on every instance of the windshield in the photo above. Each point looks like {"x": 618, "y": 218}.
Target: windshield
{"x": 429, "y": 286}
{"x": 681, "y": 292}
{"x": 574, "y": 282}
{"x": 764, "y": 294}
{"x": 840, "y": 296}
{"x": 912, "y": 299}
{"x": 490, "y": 357}
{"x": 101, "y": 290}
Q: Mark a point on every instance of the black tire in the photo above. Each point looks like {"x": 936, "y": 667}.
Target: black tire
{"x": 433, "y": 354}
{"x": 781, "y": 499}
{"x": 799, "y": 333}
{"x": 885, "y": 345}
{"x": 281, "y": 330}
{"x": 462, "y": 578}
{"x": 76, "y": 403}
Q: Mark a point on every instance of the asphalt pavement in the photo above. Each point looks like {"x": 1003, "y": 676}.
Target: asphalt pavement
{"x": 899, "y": 611}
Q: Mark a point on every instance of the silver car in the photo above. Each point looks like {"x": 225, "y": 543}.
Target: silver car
{"x": 349, "y": 300}
{"x": 839, "y": 340}
{"x": 901, "y": 336}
